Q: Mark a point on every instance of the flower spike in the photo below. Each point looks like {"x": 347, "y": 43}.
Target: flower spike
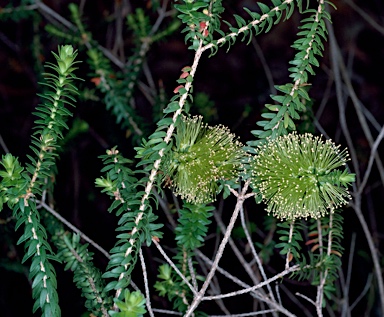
{"x": 297, "y": 176}
{"x": 201, "y": 157}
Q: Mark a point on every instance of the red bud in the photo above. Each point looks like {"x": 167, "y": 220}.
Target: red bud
{"x": 178, "y": 88}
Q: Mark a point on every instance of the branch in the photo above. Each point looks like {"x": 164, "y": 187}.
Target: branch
{"x": 170, "y": 262}
{"x": 256, "y": 294}
{"x": 240, "y": 200}
{"x": 370, "y": 162}
{"x": 145, "y": 277}
{"x": 253, "y": 288}
{"x": 254, "y": 253}
{"x": 73, "y": 228}
{"x": 366, "y": 17}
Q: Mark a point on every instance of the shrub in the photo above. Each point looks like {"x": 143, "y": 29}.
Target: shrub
{"x": 173, "y": 171}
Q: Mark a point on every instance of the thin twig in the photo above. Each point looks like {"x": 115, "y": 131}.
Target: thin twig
{"x": 340, "y": 102}
{"x": 293, "y": 298}
{"x": 277, "y": 290}
{"x": 145, "y": 277}
{"x": 170, "y": 262}
{"x": 165, "y": 206}
{"x": 240, "y": 200}
{"x": 366, "y": 17}
{"x": 45, "y": 9}
{"x": 370, "y": 162}
{"x": 306, "y": 298}
{"x": 372, "y": 248}
{"x": 162, "y": 13}
{"x": 192, "y": 272}
{"x": 215, "y": 287}
{"x": 148, "y": 75}
{"x": 254, "y": 313}
{"x": 360, "y": 114}
{"x": 168, "y": 312}
{"x": 253, "y": 288}
{"x": 118, "y": 45}
{"x": 363, "y": 292}
{"x": 239, "y": 255}
{"x": 108, "y": 54}
{"x": 221, "y": 270}
{"x": 370, "y": 117}
{"x": 254, "y": 253}
{"x": 147, "y": 91}
{"x": 256, "y": 294}
{"x": 326, "y": 95}
{"x": 3, "y": 145}
{"x": 323, "y": 275}
{"x": 30, "y": 7}
{"x": 346, "y": 310}
{"x": 287, "y": 258}
{"x": 265, "y": 66}
{"x": 73, "y": 228}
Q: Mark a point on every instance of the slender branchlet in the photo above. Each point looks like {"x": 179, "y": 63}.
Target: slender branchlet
{"x": 259, "y": 23}
{"x": 52, "y": 115}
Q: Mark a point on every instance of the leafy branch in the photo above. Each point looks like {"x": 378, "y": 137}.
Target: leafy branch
{"x": 279, "y": 117}
{"x": 259, "y": 23}
{"x": 29, "y": 184}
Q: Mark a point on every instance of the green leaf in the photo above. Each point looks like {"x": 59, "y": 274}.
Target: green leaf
{"x": 264, "y": 8}
{"x": 254, "y": 15}
{"x": 165, "y": 122}
{"x": 157, "y": 135}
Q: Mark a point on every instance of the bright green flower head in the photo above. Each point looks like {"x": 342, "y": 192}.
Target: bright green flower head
{"x": 298, "y": 176}
{"x": 202, "y": 155}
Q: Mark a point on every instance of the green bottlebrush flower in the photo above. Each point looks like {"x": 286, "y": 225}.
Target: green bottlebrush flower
{"x": 202, "y": 155}
{"x": 297, "y": 176}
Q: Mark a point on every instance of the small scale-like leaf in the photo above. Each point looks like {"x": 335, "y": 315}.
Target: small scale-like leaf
{"x": 165, "y": 122}
{"x": 263, "y": 7}
{"x": 110, "y": 285}
{"x": 123, "y": 283}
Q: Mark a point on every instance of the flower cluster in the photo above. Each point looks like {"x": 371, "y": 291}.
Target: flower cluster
{"x": 202, "y": 155}
{"x": 297, "y": 176}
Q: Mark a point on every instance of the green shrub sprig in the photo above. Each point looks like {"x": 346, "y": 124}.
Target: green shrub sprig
{"x": 302, "y": 180}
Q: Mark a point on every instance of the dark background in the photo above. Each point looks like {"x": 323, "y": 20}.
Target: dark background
{"x": 234, "y": 81}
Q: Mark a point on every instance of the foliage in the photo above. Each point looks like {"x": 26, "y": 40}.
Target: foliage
{"x": 193, "y": 226}
{"x": 302, "y": 180}
{"x": 190, "y": 235}
{"x": 132, "y": 306}
{"x": 86, "y": 277}
{"x": 136, "y": 227}
{"x": 51, "y": 115}
{"x": 279, "y": 118}
{"x": 11, "y": 180}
